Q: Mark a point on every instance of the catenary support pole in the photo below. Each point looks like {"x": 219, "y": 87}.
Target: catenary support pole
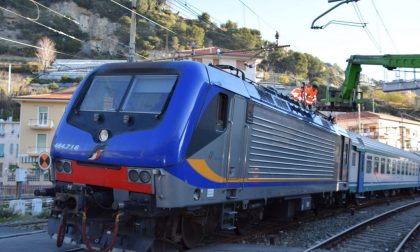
{"x": 132, "y": 44}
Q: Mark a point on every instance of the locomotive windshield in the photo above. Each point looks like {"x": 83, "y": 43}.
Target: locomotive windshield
{"x": 105, "y": 93}
{"x": 146, "y": 93}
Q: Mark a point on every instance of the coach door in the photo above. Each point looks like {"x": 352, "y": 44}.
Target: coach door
{"x": 361, "y": 172}
{"x": 236, "y": 142}
{"x": 345, "y": 150}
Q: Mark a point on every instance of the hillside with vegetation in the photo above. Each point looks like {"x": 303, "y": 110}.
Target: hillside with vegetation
{"x": 103, "y": 33}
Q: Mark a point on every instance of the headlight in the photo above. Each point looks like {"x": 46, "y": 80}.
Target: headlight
{"x": 139, "y": 175}
{"x": 145, "y": 177}
{"x": 58, "y": 165}
{"x": 133, "y": 175}
{"x": 67, "y": 167}
{"x": 103, "y": 135}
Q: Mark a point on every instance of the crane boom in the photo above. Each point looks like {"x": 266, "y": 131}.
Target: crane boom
{"x": 347, "y": 98}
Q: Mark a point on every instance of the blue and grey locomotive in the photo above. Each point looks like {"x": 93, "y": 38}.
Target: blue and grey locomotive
{"x": 172, "y": 151}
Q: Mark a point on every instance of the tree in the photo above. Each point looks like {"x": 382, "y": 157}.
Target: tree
{"x": 46, "y": 53}
{"x": 284, "y": 79}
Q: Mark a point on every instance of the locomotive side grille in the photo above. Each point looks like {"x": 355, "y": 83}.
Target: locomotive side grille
{"x": 286, "y": 148}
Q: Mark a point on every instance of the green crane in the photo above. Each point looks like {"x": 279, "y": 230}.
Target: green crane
{"x": 348, "y": 97}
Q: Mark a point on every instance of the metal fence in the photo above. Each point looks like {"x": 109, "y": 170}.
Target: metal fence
{"x": 8, "y": 192}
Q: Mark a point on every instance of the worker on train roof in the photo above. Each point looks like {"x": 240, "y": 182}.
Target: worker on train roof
{"x": 311, "y": 95}
{"x": 306, "y": 95}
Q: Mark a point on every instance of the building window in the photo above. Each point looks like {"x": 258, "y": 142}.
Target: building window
{"x": 42, "y": 115}
{"x": 1, "y": 150}
{"x": 11, "y": 149}
{"x": 17, "y": 150}
{"x": 2, "y": 130}
{"x": 1, "y": 170}
{"x": 41, "y": 142}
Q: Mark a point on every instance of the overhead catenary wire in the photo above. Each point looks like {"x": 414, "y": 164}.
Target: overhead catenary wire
{"x": 37, "y": 47}
{"x": 195, "y": 14}
{"x": 43, "y": 25}
{"x": 262, "y": 19}
{"x": 183, "y": 7}
{"x": 76, "y": 22}
{"x": 55, "y": 12}
{"x": 144, "y": 17}
{"x": 365, "y": 28}
{"x": 383, "y": 24}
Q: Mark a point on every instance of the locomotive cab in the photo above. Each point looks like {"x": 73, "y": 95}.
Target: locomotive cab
{"x": 124, "y": 126}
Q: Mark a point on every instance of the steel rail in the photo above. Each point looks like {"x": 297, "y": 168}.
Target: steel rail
{"x": 404, "y": 241}
{"x": 362, "y": 224}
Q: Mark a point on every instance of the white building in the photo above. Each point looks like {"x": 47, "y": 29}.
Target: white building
{"x": 399, "y": 132}
{"x": 9, "y": 149}
{"x": 245, "y": 61}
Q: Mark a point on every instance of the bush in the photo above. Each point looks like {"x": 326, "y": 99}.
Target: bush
{"x": 6, "y": 213}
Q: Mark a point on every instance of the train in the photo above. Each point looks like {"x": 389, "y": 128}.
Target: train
{"x": 153, "y": 154}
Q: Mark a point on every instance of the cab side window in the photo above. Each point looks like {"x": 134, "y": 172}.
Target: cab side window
{"x": 222, "y": 111}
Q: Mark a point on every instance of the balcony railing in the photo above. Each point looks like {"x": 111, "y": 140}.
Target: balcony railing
{"x": 35, "y": 151}
{"x": 40, "y": 124}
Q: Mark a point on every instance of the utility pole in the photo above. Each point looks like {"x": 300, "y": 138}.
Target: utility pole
{"x": 402, "y": 132}
{"x": 9, "y": 85}
{"x": 167, "y": 42}
{"x": 132, "y": 44}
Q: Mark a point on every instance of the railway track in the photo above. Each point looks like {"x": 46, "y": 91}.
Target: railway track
{"x": 384, "y": 232}
{"x": 403, "y": 246}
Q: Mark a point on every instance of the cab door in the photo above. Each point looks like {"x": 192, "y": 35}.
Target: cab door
{"x": 236, "y": 146}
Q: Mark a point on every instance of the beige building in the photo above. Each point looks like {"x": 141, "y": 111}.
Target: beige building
{"x": 39, "y": 118}
{"x": 245, "y": 61}
{"x": 395, "y": 131}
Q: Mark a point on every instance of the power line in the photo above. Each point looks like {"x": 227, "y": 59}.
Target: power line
{"x": 43, "y": 25}
{"x": 365, "y": 28}
{"x": 194, "y": 13}
{"x": 258, "y": 16}
{"x": 140, "y": 15}
{"x": 383, "y": 24}
{"x": 200, "y": 11}
{"x": 184, "y": 8}
{"x": 61, "y": 15}
{"x": 76, "y": 22}
{"x": 37, "y": 47}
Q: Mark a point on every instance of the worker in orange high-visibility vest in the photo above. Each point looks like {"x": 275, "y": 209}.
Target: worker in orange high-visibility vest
{"x": 311, "y": 95}
{"x": 298, "y": 94}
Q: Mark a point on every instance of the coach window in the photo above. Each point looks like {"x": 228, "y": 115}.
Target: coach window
{"x": 388, "y": 166}
{"x": 394, "y": 167}
{"x": 369, "y": 164}
{"x": 405, "y": 168}
{"x": 376, "y": 165}
{"x": 402, "y": 167}
{"x": 398, "y": 167}
{"x": 410, "y": 166}
{"x": 353, "y": 159}
{"x": 382, "y": 165}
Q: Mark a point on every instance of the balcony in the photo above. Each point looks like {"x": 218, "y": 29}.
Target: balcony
{"x": 41, "y": 124}
{"x": 35, "y": 151}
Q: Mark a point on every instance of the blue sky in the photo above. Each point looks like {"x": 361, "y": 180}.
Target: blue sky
{"x": 334, "y": 44}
